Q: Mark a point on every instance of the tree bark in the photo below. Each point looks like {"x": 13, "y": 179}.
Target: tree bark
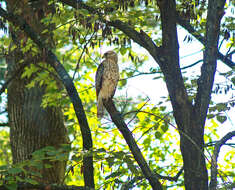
{"x": 50, "y": 58}
{"x": 31, "y": 126}
{"x": 191, "y": 134}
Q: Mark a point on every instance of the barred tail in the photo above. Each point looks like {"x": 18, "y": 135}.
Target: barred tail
{"x": 100, "y": 108}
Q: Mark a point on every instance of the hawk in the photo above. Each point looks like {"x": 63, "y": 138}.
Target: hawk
{"x": 106, "y": 79}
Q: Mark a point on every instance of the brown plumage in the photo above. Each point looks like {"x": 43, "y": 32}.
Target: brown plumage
{"x": 106, "y": 79}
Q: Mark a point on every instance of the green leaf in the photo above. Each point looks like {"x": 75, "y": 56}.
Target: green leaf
{"x": 221, "y": 107}
{"x": 158, "y": 135}
{"x": 12, "y": 186}
{"x": 164, "y": 127}
{"x": 210, "y": 116}
{"x": 49, "y": 148}
{"x": 31, "y": 181}
{"x": 4, "y": 167}
{"x": 131, "y": 165}
{"x": 155, "y": 78}
{"x": 35, "y": 173}
{"x": 233, "y": 80}
{"x": 110, "y": 161}
{"x": 123, "y": 82}
{"x": 221, "y": 118}
{"x": 36, "y": 164}
{"x": 47, "y": 165}
{"x": 162, "y": 108}
{"x": 31, "y": 84}
{"x": 15, "y": 170}
{"x": 29, "y": 71}
{"x": 76, "y": 158}
{"x": 123, "y": 50}
{"x": 113, "y": 175}
{"x": 39, "y": 154}
{"x": 19, "y": 179}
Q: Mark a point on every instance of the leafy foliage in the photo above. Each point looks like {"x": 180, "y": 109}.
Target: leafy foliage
{"x": 79, "y": 38}
{"x": 29, "y": 170}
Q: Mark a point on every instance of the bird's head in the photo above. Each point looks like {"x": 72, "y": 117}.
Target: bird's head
{"x": 110, "y": 55}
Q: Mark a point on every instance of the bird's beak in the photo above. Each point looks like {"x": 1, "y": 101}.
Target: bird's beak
{"x": 104, "y": 56}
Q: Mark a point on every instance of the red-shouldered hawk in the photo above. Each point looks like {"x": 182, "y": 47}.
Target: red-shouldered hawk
{"x": 106, "y": 79}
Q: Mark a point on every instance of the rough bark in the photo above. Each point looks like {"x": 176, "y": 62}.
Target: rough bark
{"x": 50, "y": 58}
{"x": 191, "y": 137}
{"x": 31, "y": 126}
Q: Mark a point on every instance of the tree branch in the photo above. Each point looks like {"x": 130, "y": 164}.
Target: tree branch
{"x": 214, "y": 170}
{"x": 140, "y": 38}
{"x": 169, "y": 178}
{"x": 187, "y": 26}
{"x": 122, "y": 127}
{"x": 71, "y": 90}
{"x": 4, "y": 124}
{"x": 130, "y": 183}
{"x": 208, "y": 69}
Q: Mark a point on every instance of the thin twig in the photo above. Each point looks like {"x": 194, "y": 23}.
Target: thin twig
{"x": 83, "y": 50}
{"x": 4, "y": 124}
{"x": 176, "y": 128}
{"x": 131, "y": 183}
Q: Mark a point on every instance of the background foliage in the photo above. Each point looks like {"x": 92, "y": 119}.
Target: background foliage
{"x": 79, "y": 40}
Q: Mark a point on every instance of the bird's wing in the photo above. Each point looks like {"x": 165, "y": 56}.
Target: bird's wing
{"x": 99, "y": 78}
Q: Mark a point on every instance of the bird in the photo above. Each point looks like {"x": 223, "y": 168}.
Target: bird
{"x": 106, "y": 80}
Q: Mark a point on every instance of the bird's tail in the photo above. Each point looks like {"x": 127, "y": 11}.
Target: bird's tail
{"x": 100, "y": 108}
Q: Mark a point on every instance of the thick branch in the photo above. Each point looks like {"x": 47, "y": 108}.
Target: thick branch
{"x": 140, "y": 38}
{"x": 68, "y": 83}
{"x": 171, "y": 67}
{"x": 214, "y": 170}
{"x": 122, "y": 127}
{"x": 186, "y": 25}
{"x": 206, "y": 80}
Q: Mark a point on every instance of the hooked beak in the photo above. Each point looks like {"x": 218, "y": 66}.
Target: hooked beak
{"x": 104, "y": 56}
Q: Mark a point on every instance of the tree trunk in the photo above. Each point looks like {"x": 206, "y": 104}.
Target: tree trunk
{"x": 31, "y": 126}
{"x": 191, "y": 131}
{"x": 192, "y": 148}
